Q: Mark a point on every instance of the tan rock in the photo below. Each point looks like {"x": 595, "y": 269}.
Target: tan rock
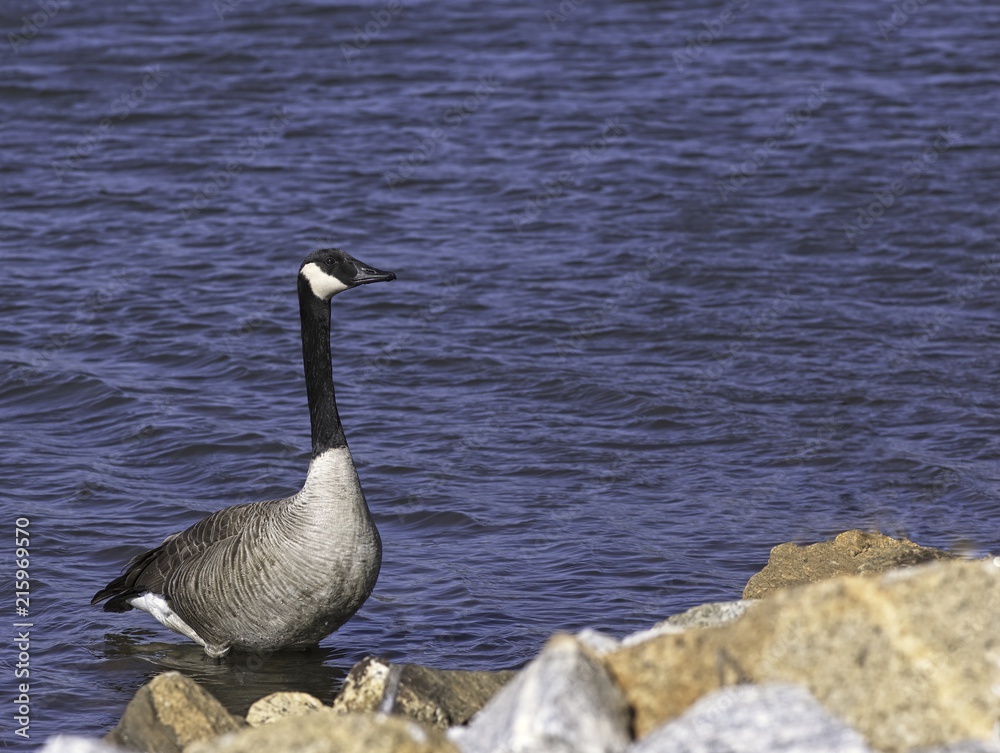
{"x": 910, "y": 658}
{"x": 438, "y": 698}
{"x": 277, "y": 706}
{"x": 851, "y": 553}
{"x": 169, "y": 713}
{"x": 328, "y": 731}
{"x": 364, "y": 686}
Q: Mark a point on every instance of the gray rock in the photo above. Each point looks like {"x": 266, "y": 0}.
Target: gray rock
{"x": 562, "y": 702}
{"x": 710, "y": 615}
{"x": 704, "y": 615}
{"x": 774, "y": 718}
{"x": 597, "y": 642}
{"x": 439, "y": 698}
{"x": 73, "y": 744}
{"x": 966, "y": 746}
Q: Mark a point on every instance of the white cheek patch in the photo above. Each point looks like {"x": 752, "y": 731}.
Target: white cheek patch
{"x": 323, "y": 286}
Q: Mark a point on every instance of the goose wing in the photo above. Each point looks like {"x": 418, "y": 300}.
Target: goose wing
{"x": 151, "y": 571}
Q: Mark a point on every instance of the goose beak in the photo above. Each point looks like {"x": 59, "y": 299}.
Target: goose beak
{"x": 365, "y": 274}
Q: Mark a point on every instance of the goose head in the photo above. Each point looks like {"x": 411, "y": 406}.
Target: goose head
{"x": 330, "y": 271}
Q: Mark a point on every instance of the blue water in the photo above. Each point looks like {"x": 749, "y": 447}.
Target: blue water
{"x": 677, "y": 283}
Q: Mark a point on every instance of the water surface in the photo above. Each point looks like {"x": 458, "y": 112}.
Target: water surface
{"x": 677, "y": 283}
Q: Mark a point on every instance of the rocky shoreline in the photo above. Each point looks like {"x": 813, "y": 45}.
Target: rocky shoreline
{"x": 862, "y": 644}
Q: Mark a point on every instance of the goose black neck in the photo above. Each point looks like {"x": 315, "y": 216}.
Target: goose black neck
{"x": 327, "y": 431}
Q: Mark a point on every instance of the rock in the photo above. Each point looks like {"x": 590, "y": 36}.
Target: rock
{"x": 364, "y": 686}
{"x": 329, "y": 731}
{"x": 598, "y": 643}
{"x": 277, "y": 706}
{"x": 851, "y": 553}
{"x": 966, "y": 746}
{"x": 73, "y": 744}
{"x": 438, "y": 698}
{"x": 169, "y": 713}
{"x": 704, "y": 615}
{"x": 773, "y": 718}
{"x": 562, "y": 702}
{"x": 908, "y": 659}
{"x": 444, "y": 698}
{"x": 710, "y": 615}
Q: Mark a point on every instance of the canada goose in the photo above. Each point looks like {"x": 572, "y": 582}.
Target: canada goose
{"x": 281, "y": 573}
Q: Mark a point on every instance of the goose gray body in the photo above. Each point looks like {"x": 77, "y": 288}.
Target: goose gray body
{"x": 285, "y": 572}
